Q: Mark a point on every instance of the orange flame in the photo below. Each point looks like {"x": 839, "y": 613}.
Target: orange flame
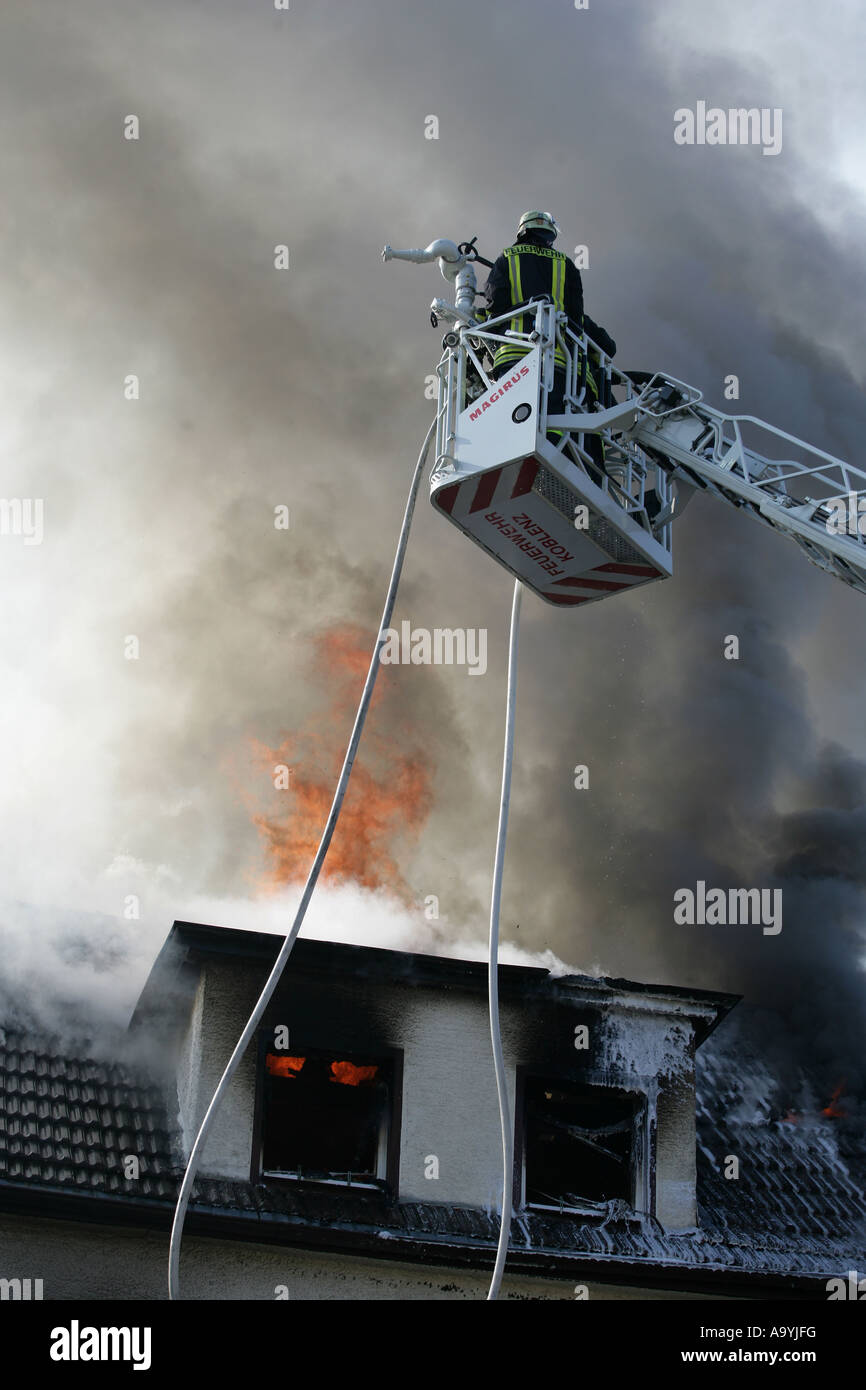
{"x": 388, "y": 797}
{"x": 349, "y": 1075}
{"x": 833, "y": 1110}
{"x": 284, "y": 1066}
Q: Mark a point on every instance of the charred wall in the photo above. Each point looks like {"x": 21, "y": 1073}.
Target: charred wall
{"x": 447, "y": 1111}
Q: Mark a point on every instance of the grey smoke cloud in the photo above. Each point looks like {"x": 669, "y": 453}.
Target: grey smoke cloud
{"x": 306, "y": 388}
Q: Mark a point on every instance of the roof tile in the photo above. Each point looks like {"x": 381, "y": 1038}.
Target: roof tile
{"x": 798, "y": 1205}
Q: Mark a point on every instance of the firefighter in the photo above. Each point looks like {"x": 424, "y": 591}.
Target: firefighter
{"x": 531, "y": 268}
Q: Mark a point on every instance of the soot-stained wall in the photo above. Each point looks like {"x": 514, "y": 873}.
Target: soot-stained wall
{"x": 449, "y": 1125}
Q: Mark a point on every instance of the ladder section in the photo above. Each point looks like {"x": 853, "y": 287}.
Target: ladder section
{"x": 815, "y": 499}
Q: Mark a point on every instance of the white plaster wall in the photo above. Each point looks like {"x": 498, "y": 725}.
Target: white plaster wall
{"x": 223, "y": 1002}
{"x": 449, "y": 1108}
{"x": 188, "y": 1070}
{"x": 449, "y": 1099}
{"x": 449, "y": 1087}
{"x": 676, "y": 1158}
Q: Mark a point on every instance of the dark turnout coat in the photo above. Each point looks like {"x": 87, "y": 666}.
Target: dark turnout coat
{"x": 530, "y": 268}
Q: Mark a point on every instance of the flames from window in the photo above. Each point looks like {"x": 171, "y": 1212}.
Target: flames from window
{"x": 284, "y": 1066}
{"x": 344, "y": 1073}
{"x": 349, "y": 1075}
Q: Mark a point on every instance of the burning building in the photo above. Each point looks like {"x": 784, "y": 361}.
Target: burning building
{"x": 357, "y": 1155}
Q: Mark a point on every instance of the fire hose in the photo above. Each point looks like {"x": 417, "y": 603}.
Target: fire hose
{"x": 312, "y": 878}
{"x": 493, "y": 954}
{"x": 309, "y": 887}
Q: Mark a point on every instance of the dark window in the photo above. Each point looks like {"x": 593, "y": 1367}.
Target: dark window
{"x": 326, "y": 1117}
{"x": 579, "y": 1144}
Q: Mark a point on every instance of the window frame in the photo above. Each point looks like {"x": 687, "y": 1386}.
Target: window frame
{"x": 642, "y": 1163}
{"x": 385, "y": 1186}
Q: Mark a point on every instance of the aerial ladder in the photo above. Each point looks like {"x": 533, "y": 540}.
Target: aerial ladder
{"x": 573, "y": 523}
{"x": 523, "y": 483}
{"x": 576, "y": 522}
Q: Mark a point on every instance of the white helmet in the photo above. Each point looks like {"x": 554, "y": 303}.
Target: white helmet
{"x": 537, "y": 222}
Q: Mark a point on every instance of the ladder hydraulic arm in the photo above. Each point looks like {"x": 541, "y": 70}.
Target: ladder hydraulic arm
{"x": 813, "y": 498}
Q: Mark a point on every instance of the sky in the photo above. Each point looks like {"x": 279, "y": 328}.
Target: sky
{"x": 146, "y": 780}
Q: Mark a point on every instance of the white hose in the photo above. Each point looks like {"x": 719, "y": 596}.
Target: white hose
{"x": 493, "y": 957}
{"x": 321, "y": 852}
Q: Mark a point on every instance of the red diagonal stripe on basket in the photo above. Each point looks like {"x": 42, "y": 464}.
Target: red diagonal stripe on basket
{"x": 612, "y": 567}
{"x": 447, "y": 497}
{"x": 485, "y": 489}
{"x": 609, "y": 584}
{"x": 526, "y": 477}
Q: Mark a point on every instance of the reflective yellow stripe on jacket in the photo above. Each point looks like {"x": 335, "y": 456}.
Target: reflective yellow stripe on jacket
{"x": 512, "y": 352}
{"x": 515, "y": 287}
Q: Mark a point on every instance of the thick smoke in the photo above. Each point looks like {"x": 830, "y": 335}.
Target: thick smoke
{"x": 306, "y": 388}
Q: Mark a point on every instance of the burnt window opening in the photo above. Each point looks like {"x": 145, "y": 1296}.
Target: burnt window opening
{"x": 580, "y": 1145}
{"x": 326, "y": 1117}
